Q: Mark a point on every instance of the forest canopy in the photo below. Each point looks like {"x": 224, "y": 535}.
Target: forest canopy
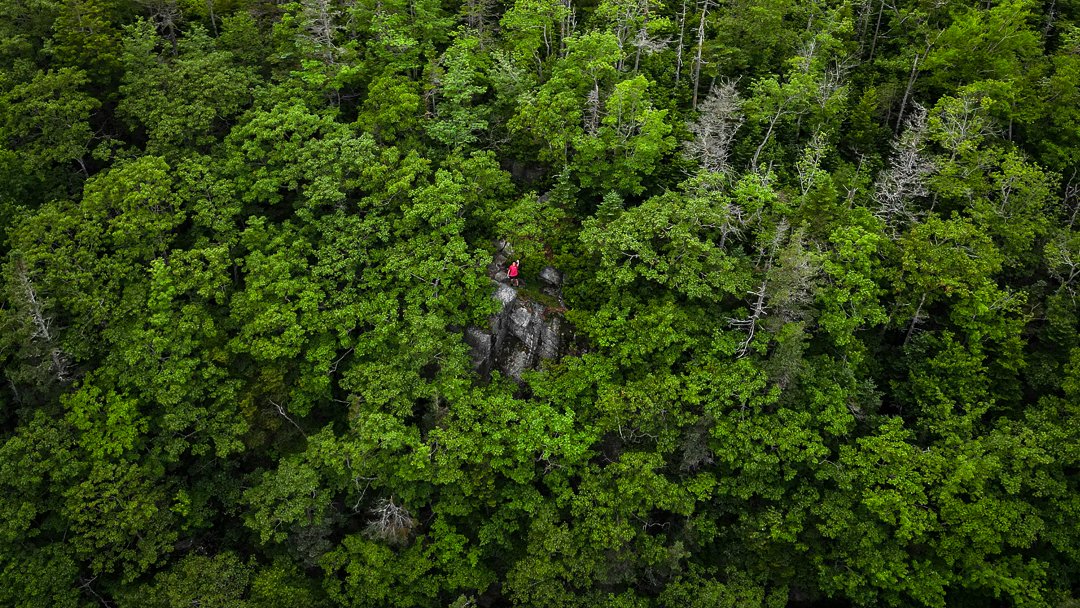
{"x": 820, "y": 262}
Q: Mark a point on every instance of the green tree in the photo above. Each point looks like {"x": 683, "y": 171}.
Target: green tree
{"x": 46, "y": 122}
{"x": 185, "y": 101}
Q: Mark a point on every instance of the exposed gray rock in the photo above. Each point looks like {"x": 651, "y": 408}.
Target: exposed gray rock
{"x": 520, "y": 320}
{"x": 505, "y": 294}
{"x": 515, "y": 362}
{"x": 481, "y": 343}
{"x": 523, "y": 332}
{"x": 550, "y": 338}
{"x": 501, "y": 260}
{"x": 551, "y": 276}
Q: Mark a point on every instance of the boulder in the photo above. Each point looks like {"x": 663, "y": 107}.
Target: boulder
{"x": 551, "y": 276}
{"x": 505, "y": 294}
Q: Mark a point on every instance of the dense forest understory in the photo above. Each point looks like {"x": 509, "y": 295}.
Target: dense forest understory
{"x": 820, "y": 257}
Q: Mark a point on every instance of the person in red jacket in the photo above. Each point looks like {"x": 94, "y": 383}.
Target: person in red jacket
{"x": 512, "y": 273}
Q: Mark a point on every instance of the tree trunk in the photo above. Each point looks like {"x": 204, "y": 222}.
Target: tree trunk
{"x": 643, "y": 35}
{"x": 915, "y": 320}
{"x": 907, "y": 93}
{"x": 761, "y": 146}
{"x": 700, "y": 45}
{"x": 41, "y": 323}
{"x": 213, "y": 17}
{"x": 877, "y": 31}
{"x": 679, "y": 50}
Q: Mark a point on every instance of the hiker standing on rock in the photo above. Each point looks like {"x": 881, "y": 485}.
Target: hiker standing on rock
{"x": 512, "y": 273}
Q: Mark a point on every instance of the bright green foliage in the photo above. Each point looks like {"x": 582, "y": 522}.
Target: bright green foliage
{"x": 852, "y": 299}
{"x": 985, "y": 44}
{"x": 86, "y": 36}
{"x": 391, "y": 109}
{"x": 630, "y": 142}
{"x": 676, "y": 239}
{"x": 181, "y": 101}
{"x": 45, "y": 120}
{"x": 537, "y": 31}
{"x": 1059, "y": 90}
{"x": 567, "y": 106}
{"x": 819, "y": 327}
{"x": 120, "y": 516}
{"x": 456, "y": 118}
{"x": 218, "y": 581}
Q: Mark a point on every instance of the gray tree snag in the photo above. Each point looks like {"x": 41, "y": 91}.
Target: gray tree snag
{"x": 759, "y": 300}
{"x": 166, "y": 16}
{"x": 592, "y": 109}
{"x": 714, "y": 130}
{"x": 912, "y": 78}
{"x": 705, "y": 5}
{"x": 391, "y": 523}
{"x": 320, "y": 23}
{"x": 905, "y": 178}
{"x": 679, "y": 46}
{"x": 40, "y": 323}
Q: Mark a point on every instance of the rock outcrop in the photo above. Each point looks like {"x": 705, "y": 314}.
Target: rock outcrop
{"x": 524, "y": 332}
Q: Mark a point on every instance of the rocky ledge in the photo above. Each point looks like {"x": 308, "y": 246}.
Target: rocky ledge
{"x": 524, "y": 332}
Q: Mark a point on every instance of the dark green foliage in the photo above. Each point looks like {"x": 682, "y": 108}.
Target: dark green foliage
{"x": 821, "y": 262}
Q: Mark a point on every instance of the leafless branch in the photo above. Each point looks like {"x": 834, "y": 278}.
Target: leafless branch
{"x": 714, "y": 130}
{"x": 391, "y": 522}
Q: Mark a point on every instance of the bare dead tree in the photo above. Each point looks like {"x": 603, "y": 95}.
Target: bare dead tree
{"x": 592, "y": 110}
{"x": 625, "y": 12}
{"x": 905, "y": 178}
{"x": 912, "y": 77}
{"x": 321, "y": 27}
{"x": 758, "y": 303}
{"x": 916, "y": 319}
{"x": 478, "y": 16}
{"x": 783, "y": 107}
{"x": 40, "y": 322}
{"x": 758, "y": 311}
{"x": 641, "y": 38}
{"x": 714, "y": 130}
{"x": 809, "y": 166}
{"x": 851, "y": 189}
{"x": 732, "y": 219}
{"x": 1070, "y": 199}
{"x": 1007, "y": 185}
{"x": 705, "y": 5}
{"x": 643, "y": 41}
{"x": 1063, "y": 260}
{"x": 735, "y": 220}
{"x": 647, "y": 45}
{"x": 87, "y": 586}
{"x": 567, "y": 25}
{"x": 1051, "y": 16}
{"x": 833, "y": 80}
{"x": 281, "y": 412}
{"x": 679, "y": 47}
{"x": 805, "y": 55}
{"x": 166, "y": 16}
{"x": 865, "y": 8}
{"x": 772, "y": 124}
{"x": 877, "y": 31}
{"x": 391, "y": 522}
{"x": 213, "y": 17}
